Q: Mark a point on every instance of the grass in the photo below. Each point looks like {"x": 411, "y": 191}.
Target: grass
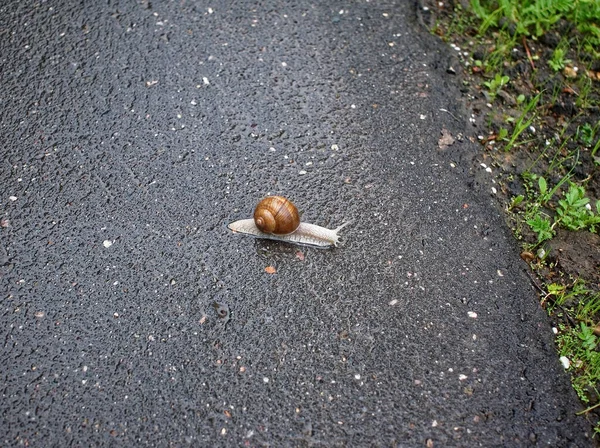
{"x": 534, "y": 66}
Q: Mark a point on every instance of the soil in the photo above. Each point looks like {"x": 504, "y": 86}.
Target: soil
{"x": 559, "y": 113}
{"x": 576, "y": 254}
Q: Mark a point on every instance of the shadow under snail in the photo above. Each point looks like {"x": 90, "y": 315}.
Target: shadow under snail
{"x": 277, "y": 218}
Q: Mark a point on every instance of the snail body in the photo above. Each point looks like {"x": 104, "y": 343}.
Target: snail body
{"x": 277, "y": 218}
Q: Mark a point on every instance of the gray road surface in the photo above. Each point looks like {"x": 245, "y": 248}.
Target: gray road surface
{"x": 133, "y": 132}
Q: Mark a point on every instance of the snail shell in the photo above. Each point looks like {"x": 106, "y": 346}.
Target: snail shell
{"x": 277, "y": 215}
{"x": 287, "y": 225}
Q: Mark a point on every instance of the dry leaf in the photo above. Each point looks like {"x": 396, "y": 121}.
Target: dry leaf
{"x": 570, "y": 72}
{"x": 527, "y": 256}
{"x": 270, "y": 270}
{"x": 595, "y": 76}
{"x": 446, "y": 139}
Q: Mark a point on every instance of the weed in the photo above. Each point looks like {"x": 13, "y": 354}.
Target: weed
{"x": 496, "y": 84}
{"x": 542, "y": 227}
{"x": 502, "y": 134}
{"x": 523, "y": 123}
{"x": 585, "y": 86}
{"x": 575, "y": 212}
{"x": 579, "y": 345}
{"x": 558, "y": 61}
{"x": 516, "y": 202}
{"x": 564, "y": 295}
{"x": 585, "y": 134}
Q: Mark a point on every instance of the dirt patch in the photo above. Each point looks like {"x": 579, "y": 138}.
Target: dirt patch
{"x": 577, "y": 255}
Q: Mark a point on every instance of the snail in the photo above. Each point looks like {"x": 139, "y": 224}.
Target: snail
{"x": 277, "y": 218}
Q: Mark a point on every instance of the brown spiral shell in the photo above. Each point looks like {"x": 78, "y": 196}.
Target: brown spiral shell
{"x": 277, "y": 215}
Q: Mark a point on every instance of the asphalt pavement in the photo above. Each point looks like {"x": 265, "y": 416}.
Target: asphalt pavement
{"x": 132, "y": 133}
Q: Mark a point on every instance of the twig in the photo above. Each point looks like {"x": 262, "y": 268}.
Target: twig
{"x": 450, "y": 113}
{"x": 528, "y": 53}
{"x": 535, "y": 283}
{"x": 585, "y": 411}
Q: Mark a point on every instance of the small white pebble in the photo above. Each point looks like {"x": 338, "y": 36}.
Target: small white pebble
{"x": 284, "y": 64}
{"x": 335, "y": 147}
{"x": 302, "y": 172}
{"x": 265, "y": 380}
{"x": 107, "y": 243}
{"x": 393, "y": 302}
{"x": 353, "y": 106}
{"x": 422, "y": 116}
{"x": 472, "y": 314}
{"x": 554, "y": 330}
{"x": 565, "y": 362}
{"x": 12, "y": 198}
{"x": 272, "y": 149}
{"x": 462, "y": 377}
{"x": 494, "y": 191}
{"x": 483, "y": 165}
{"x": 499, "y": 272}
{"x": 205, "y": 81}
{"x": 357, "y": 376}
{"x": 588, "y": 206}
{"x": 434, "y": 423}
{"x": 210, "y": 10}
{"x": 488, "y": 169}
{"x": 541, "y": 253}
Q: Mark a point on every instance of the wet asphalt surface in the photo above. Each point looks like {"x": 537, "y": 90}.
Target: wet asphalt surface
{"x": 133, "y": 132}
